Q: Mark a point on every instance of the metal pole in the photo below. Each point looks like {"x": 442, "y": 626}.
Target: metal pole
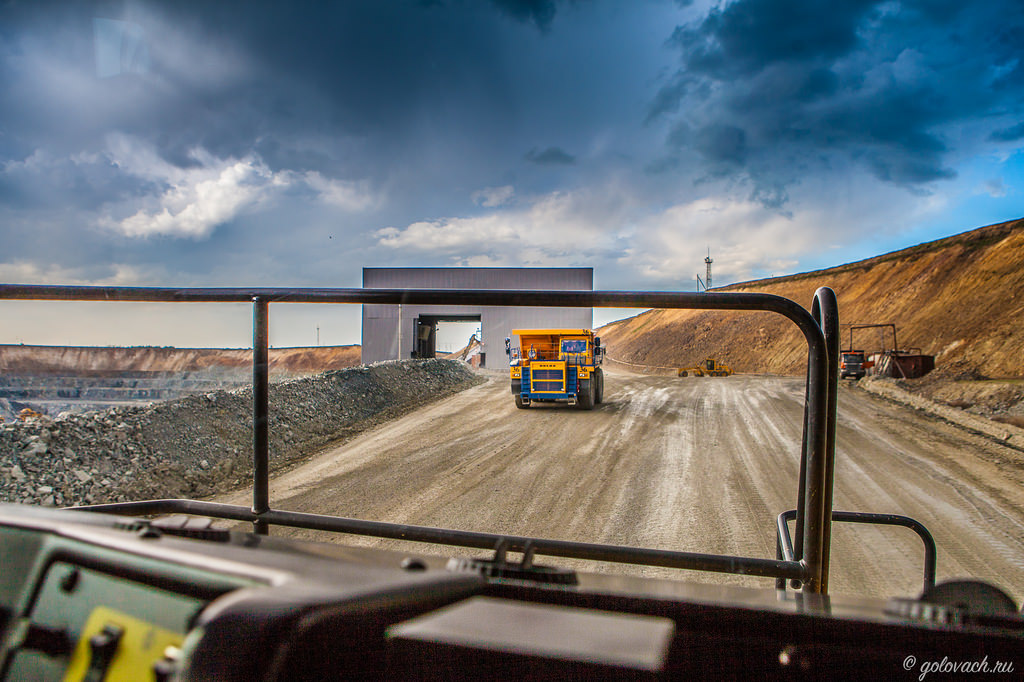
{"x": 825, "y": 310}
{"x": 805, "y": 455}
{"x": 260, "y": 410}
{"x": 814, "y": 518}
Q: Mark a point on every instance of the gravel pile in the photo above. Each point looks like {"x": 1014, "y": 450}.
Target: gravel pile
{"x": 202, "y": 444}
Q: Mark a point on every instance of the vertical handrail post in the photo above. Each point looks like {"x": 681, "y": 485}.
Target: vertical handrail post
{"x": 813, "y": 517}
{"x": 805, "y": 455}
{"x": 260, "y": 411}
{"x": 825, "y": 311}
{"x": 780, "y": 583}
{"x": 813, "y": 482}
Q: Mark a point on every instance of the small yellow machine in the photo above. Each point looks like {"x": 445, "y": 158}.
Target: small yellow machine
{"x": 709, "y": 368}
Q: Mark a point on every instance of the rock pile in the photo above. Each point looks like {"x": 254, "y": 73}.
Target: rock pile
{"x": 202, "y": 444}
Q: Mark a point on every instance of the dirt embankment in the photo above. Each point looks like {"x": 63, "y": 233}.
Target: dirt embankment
{"x": 202, "y": 444}
{"x": 960, "y": 299}
{"x": 82, "y": 360}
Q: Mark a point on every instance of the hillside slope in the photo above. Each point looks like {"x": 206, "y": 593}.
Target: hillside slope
{"x": 960, "y": 299}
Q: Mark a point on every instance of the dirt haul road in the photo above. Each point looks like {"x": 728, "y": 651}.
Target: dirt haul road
{"x": 696, "y": 464}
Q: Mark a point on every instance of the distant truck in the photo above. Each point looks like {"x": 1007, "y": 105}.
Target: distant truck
{"x": 556, "y": 365}
{"x": 852, "y": 364}
{"x": 709, "y": 368}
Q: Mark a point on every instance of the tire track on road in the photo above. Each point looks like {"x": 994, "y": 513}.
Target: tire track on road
{"x": 697, "y": 464}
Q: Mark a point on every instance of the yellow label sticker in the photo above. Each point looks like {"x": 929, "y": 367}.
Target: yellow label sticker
{"x": 141, "y": 645}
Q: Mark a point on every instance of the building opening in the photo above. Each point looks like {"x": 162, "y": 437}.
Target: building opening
{"x": 441, "y": 335}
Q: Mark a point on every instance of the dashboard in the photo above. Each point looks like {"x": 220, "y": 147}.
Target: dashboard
{"x": 88, "y": 596}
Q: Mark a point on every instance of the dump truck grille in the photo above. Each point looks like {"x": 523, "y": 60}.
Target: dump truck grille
{"x": 548, "y": 381}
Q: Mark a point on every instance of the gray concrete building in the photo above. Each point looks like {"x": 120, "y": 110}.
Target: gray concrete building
{"x": 391, "y": 332}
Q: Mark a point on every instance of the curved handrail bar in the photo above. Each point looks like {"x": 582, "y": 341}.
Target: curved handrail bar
{"x": 494, "y": 297}
{"x": 813, "y": 454}
{"x": 787, "y": 553}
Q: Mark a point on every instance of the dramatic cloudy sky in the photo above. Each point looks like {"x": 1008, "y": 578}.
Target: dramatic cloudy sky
{"x": 233, "y": 144}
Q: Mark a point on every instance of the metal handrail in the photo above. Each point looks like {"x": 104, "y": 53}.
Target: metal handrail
{"x": 785, "y": 550}
{"x": 765, "y": 568}
{"x": 808, "y": 565}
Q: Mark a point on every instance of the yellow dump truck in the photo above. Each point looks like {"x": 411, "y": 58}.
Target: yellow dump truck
{"x": 709, "y": 368}
{"x": 556, "y": 365}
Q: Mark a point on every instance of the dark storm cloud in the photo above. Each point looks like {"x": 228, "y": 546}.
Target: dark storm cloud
{"x": 305, "y": 87}
{"x": 540, "y": 12}
{"x": 346, "y": 72}
{"x": 100, "y": 103}
{"x": 1008, "y": 134}
{"x": 551, "y": 156}
{"x": 769, "y": 86}
{"x": 378, "y": 70}
{"x": 723, "y": 144}
{"x": 85, "y": 182}
{"x": 742, "y": 37}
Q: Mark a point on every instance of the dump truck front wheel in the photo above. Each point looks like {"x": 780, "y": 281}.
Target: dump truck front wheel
{"x": 520, "y": 404}
{"x": 599, "y": 389}
{"x": 585, "y": 398}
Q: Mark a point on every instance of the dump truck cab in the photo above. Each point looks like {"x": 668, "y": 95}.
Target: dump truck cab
{"x": 556, "y": 365}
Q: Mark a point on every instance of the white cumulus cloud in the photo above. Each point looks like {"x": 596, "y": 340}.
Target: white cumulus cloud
{"x": 195, "y": 200}
{"x": 204, "y": 198}
{"x": 561, "y": 227}
{"x": 745, "y": 241}
{"x": 613, "y": 231}
{"x": 351, "y": 196}
{"x": 114, "y": 274}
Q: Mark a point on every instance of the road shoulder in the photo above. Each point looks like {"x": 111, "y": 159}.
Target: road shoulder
{"x": 1005, "y": 434}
